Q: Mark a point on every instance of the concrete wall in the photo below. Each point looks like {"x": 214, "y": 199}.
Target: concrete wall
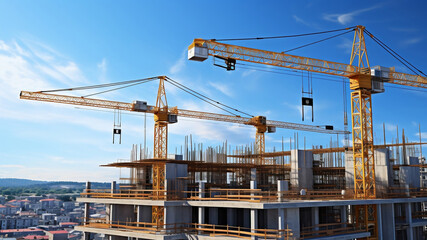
{"x": 177, "y": 214}
{"x": 301, "y": 169}
{"x": 122, "y": 213}
{"x": 173, "y": 173}
{"x": 383, "y": 171}
{"x": 144, "y": 213}
{"x": 349, "y": 171}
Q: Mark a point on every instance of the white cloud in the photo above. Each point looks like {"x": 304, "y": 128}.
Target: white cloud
{"x": 390, "y": 127}
{"x": 300, "y": 20}
{"x": 345, "y": 18}
{"x": 102, "y": 68}
{"x": 412, "y": 41}
{"x": 179, "y": 64}
{"x": 248, "y": 72}
{"x": 423, "y": 135}
{"x": 11, "y": 166}
{"x": 346, "y": 44}
{"x": 224, "y": 89}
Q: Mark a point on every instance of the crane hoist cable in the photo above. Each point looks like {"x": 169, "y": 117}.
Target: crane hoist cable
{"x": 131, "y": 83}
{"x": 276, "y": 37}
{"x": 203, "y": 97}
{"x": 308, "y": 44}
{"x": 114, "y": 89}
{"x": 394, "y": 54}
{"x": 99, "y": 85}
{"x": 293, "y": 73}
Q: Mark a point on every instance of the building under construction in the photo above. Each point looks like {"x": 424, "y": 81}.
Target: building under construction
{"x": 359, "y": 191}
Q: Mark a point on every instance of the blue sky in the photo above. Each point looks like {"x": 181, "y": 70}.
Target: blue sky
{"x": 57, "y": 44}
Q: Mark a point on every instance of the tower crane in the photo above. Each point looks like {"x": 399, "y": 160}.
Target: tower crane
{"x": 164, "y": 115}
{"x": 364, "y": 81}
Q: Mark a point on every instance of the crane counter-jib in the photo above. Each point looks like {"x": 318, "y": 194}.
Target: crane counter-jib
{"x": 140, "y": 106}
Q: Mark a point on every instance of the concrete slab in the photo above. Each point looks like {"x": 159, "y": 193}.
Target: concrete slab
{"x": 131, "y": 201}
{"x": 252, "y": 205}
{"x": 127, "y": 233}
{"x": 344, "y": 236}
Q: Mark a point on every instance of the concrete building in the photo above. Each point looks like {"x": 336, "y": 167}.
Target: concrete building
{"x": 60, "y": 219}
{"x": 18, "y": 222}
{"x": 57, "y": 235}
{"x": 297, "y": 206}
{"x": 48, "y": 218}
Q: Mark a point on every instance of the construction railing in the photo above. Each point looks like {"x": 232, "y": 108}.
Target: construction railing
{"x": 331, "y": 229}
{"x": 218, "y": 194}
{"x": 399, "y": 192}
{"x": 419, "y": 215}
{"x": 257, "y": 195}
{"x": 145, "y": 194}
{"x": 192, "y": 228}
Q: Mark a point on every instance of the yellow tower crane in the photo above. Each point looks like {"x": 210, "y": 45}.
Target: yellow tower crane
{"x": 164, "y": 115}
{"x": 364, "y": 81}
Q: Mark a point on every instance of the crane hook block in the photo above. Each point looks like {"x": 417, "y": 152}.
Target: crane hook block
{"x": 307, "y": 101}
{"x": 117, "y": 131}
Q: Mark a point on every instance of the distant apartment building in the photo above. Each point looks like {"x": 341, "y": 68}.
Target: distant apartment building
{"x": 8, "y": 209}
{"x": 57, "y": 235}
{"x": 75, "y": 216}
{"x": 18, "y": 233}
{"x": 18, "y": 222}
{"x": 50, "y": 203}
{"x": 2, "y": 200}
{"x": 34, "y": 199}
{"x": 19, "y": 203}
{"x": 60, "y": 219}
{"x": 48, "y": 218}
{"x": 68, "y": 206}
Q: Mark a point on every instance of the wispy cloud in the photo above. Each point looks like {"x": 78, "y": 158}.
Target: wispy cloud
{"x": 346, "y": 18}
{"x": 300, "y": 20}
{"x": 390, "y": 127}
{"x": 102, "y": 68}
{"x": 412, "y": 41}
{"x": 222, "y": 88}
{"x": 405, "y": 30}
{"x": 423, "y": 135}
{"x": 179, "y": 64}
{"x": 248, "y": 72}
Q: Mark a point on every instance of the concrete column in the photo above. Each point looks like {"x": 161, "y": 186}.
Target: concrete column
{"x": 253, "y": 174}
{"x": 282, "y": 185}
{"x": 379, "y": 222}
{"x": 301, "y": 175}
{"x": 315, "y": 217}
{"x": 254, "y": 212}
{"x": 201, "y": 189}
{"x": 246, "y": 218}
{"x": 86, "y": 235}
{"x": 213, "y": 216}
{"x": 388, "y": 221}
{"x": 201, "y": 214}
{"x": 281, "y": 219}
{"x": 253, "y": 185}
{"x": 409, "y": 232}
{"x": 292, "y": 221}
{"x": 231, "y": 217}
{"x": 343, "y": 214}
{"x": 254, "y": 222}
{"x": 113, "y": 187}
{"x": 87, "y": 206}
